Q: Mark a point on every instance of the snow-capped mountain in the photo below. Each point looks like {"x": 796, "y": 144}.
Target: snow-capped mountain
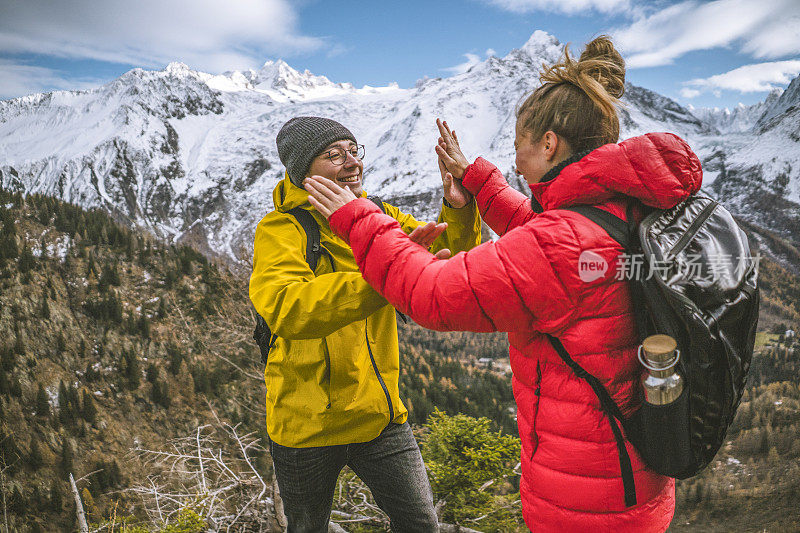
{"x": 740, "y": 119}
{"x": 183, "y": 152}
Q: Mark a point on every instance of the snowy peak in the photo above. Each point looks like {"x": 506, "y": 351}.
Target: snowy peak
{"x": 278, "y": 78}
{"x": 740, "y": 119}
{"x": 781, "y": 108}
{"x": 542, "y": 47}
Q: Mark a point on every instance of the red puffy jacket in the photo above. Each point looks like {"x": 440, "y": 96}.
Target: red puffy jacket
{"x": 528, "y": 283}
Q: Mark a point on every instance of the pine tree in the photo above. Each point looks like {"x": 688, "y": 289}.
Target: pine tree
{"x": 35, "y": 459}
{"x": 152, "y": 373}
{"x": 61, "y": 343}
{"x": 44, "y": 307}
{"x": 26, "y": 261}
{"x": 42, "y": 402}
{"x": 143, "y": 325}
{"x": 8, "y": 359}
{"x": 89, "y": 505}
{"x": 89, "y": 410}
{"x": 15, "y": 387}
{"x": 56, "y": 497}
{"x": 162, "y": 308}
{"x": 5, "y": 385}
{"x": 16, "y": 501}
{"x": 19, "y": 344}
{"x": 175, "y": 358}
{"x": 133, "y": 371}
{"x": 66, "y": 462}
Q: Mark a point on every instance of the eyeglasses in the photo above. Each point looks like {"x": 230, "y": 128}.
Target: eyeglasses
{"x": 338, "y": 156}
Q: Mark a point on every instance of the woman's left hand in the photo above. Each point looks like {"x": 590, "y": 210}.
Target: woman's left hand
{"x": 326, "y": 196}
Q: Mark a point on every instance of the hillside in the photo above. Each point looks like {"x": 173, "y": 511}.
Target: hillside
{"x": 113, "y": 343}
{"x": 116, "y": 346}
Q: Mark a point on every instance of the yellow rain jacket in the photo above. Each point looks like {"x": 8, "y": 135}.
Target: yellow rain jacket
{"x": 332, "y": 375}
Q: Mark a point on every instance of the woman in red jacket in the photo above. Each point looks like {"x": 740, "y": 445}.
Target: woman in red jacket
{"x": 532, "y": 281}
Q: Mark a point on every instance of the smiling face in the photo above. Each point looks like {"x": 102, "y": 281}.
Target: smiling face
{"x": 348, "y": 174}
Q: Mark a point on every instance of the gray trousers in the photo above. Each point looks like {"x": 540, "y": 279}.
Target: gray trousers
{"x": 390, "y": 465}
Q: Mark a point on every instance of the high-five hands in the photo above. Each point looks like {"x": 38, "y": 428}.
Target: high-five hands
{"x": 452, "y": 165}
{"x": 326, "y": 196}
{"x": 449, "y": 151}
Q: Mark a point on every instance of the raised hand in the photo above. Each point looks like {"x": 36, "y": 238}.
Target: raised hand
{"x": 454, "y": 192}
{"x": 326, "y": 196}
{"x": 449, "y": 151}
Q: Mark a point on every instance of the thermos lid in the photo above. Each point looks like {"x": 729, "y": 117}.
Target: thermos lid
{"x": 659, "y": 348}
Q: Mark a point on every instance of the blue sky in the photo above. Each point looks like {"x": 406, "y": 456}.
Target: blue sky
{"x": 708, "y": 54}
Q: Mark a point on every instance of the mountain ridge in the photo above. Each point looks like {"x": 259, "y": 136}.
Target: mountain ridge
{"x": 178, "y": 149}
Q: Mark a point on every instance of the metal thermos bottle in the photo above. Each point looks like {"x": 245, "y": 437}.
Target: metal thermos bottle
{"x": 662, "y": 383}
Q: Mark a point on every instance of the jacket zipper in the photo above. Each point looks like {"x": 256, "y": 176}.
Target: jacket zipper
{"x": 378, "y": 374}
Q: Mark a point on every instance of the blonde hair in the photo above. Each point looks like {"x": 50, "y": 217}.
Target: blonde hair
{"x": 578, "y": 99}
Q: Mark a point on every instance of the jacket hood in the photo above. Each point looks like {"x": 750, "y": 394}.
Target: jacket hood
{"x": 659, "y": 169}
{"x": 286, "y": 195}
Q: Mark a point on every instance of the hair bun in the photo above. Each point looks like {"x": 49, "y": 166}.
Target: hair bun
{"x": 602, "y": 62}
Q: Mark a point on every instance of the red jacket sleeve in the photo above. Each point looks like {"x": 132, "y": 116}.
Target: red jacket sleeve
{"x": 489, "y": 288}
{"x": 502, "y": 207}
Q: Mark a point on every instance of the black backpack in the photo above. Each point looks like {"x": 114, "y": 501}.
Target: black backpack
{"x": 263, "y": 335}
{"x": 710, "y": 309}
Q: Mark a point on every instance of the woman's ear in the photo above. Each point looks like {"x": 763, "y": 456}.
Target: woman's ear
{"x": 551, "y": 144}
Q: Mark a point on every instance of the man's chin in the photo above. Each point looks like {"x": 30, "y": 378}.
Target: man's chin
{"x": 355, "y": 188}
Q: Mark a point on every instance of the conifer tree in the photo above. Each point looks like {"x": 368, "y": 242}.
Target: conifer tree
{"x": 44, "y": 308}
{"x": 162, "y": 309}
{"x": 89, "y": 505}
{"x": 19, "y": 344}
{"x": 42, "y": 402}
{"x": 26, "y": 261}
{"x": 66, "y": 462}
{"x": 56, "y": 497}
{"x": 15, "y": 387}
{"x": 8, "y": 358}
{"x": 143, "y": 326}
{"x": 89, "y": 409}
{"x": 35, "y": 459}
{"x": 16, "y": 501}
{"x": 132, "y": 369}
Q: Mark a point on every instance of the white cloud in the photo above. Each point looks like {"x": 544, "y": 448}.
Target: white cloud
{"x": 561, "y": 6}
{"x": 763, "y": 29}
{"x": 759, "y": 77}
{"x": 205, "y": 34}
{"x": 461, "y": 68}
{"x": 17, "y": 79}
{"x": 471, "y": 61}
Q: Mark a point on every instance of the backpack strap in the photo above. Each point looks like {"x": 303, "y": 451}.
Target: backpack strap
{"x": 623, "y": 232}
{"x": 311, "y": 228}
{"x": 264, "y": 337}
{"x": 617, "y": 229}
{"x": 613, "y": 413}
{"x": 377, "y": 201}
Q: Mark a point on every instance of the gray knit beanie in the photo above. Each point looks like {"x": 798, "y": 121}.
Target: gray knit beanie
{"x": 301, "y": 139}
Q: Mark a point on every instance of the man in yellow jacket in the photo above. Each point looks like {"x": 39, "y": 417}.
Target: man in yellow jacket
{"x": 332, "y": 374}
